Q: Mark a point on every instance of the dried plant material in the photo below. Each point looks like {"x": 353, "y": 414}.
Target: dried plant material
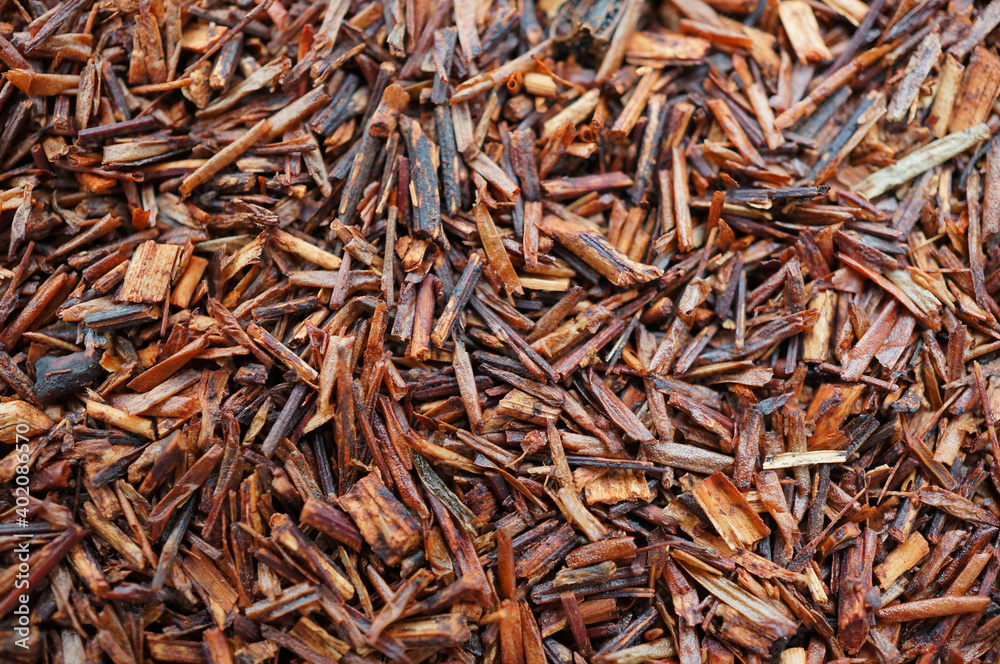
{"x": 762, "y": 613}
{"x": 977, "y": 92}
{"x": 567, "y": 497}
{"x": 917, "y": 69}
{"x": 733, "y": 130}
{"x": 263, "y": 76}
{"x": 262, "y": 131}
{"x": 150, "y": 272}
{"x": 922, "y": 159}
{"x": 657, "y": 650}
{"x": 304, "y": 249}
{"x": 902, "y": 559}
{"x": 331, "y": 522}
{"x": 495, "y": 251}
{"x": 803, "y": 31}
{"x": 651, "y": 47}
{"x": 689, "y": 457}
{"x": 944, "y": 97}
{"x": 937, "y": 607}
{"x": 598, "y": 253}
{"x": 609, "y": 549}
{"x": 395, "y": 331}
{"x": 424, "y": 193}
{"x": 729, "y": 512}
{"x": 853, "y": 10}
{"x": 681, "y": 195}
{"x": 828, "y": 410}
{"x": 42, "y": 85}
{"x": 385, "y": 117}
{"x": 573, "y": 113}
{"x": 385, "y": 523}
{"x": 864, "y": 351}
{"x": 20, "y": 418}
{"x": 956, "y": 505}
{"x": 799, "y": 459}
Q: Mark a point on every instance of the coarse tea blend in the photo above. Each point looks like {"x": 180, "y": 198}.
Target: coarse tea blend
{"x": 499, "y": 331}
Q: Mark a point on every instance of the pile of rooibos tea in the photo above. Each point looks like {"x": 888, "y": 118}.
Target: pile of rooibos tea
{"x": 499, "y": 331}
